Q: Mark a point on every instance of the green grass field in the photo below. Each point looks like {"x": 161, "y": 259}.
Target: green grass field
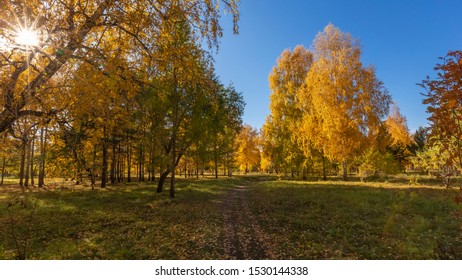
{"x": 300, "y": 220}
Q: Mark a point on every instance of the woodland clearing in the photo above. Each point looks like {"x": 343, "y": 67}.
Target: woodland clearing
{"x": 244, "y": 217}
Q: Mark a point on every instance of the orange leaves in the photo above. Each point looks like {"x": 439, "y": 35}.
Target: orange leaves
{"x": 443, "y": 97}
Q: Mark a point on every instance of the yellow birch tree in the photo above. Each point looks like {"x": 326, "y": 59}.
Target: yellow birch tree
{"x": 282, "y": 150}
{"x": 343, "y": 102}
{"x": 248, "y": 149}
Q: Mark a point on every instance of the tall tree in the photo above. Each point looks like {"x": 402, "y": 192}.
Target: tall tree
{"x": 224, "y": 122}
{"x": 182, "y": 89}
{"x": 419, "y": 139}
{"x": 400, "y": 138}
{"x": 444, "y": 101}
{"x": 69, "y": 32}
{"x": 397, "y": 127}
{"x": 248, "y": 149}
{"x": 343, "y": 101}
{"x": 285, "y": 80}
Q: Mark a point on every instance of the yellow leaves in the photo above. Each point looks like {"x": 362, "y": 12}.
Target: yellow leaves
{"x": 327, "y": 98}
{"x": 88, "y": 31}
{"x": 397, "y": 128}
{"x": 286, "y": 80}
{"x": 248, "y": 149}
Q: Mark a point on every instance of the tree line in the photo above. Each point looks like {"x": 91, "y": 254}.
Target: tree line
{"x": 329, "y": 112}
{"x": 114, "y": 88}
{"x": 331, "y": 115}
{"x": 120, "y": 90}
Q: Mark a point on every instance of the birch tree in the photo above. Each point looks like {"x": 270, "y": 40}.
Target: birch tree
{"x": 343, "y": 101}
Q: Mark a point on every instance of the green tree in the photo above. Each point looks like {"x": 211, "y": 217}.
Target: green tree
{"x": 400, "y": 138}
{"x": 184, "y": 88}
{"x": 419, "y": 138}
{"x": 224, "y": 123}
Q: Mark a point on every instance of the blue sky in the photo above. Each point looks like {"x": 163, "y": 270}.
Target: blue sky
{"x": 402, "y": 39}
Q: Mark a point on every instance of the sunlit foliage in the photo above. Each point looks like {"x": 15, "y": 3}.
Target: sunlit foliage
{"x": 444, "y": 100}
{"x": 248, "y": 149}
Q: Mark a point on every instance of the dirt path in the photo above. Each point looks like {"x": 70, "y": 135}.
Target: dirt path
{"x": 243, "y": 237}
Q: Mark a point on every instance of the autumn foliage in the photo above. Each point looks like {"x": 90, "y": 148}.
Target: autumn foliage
{"x": 327, "y": 108}
{"x": 443, "y": 97}
{"x": 123, "y": 89}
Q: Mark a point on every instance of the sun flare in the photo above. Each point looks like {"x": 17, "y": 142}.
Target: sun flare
{"x": 27, "y": 37}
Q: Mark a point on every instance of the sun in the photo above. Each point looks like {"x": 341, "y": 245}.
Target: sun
{"x": 26, "y": 37}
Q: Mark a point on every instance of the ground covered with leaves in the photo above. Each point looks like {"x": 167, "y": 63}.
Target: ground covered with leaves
{"x": 239, "y": 218}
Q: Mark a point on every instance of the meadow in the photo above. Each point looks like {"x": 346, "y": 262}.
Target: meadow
{"x": 244, "y": 217}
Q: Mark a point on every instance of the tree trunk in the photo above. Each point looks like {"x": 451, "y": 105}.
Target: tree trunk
{"x": 43, "y": 143}
{"x": 113, "y": 163}
{"x": 225, "y": 164}
{"x": 185, "y": 170}
{"x": 92, "y": 170}
{"x": 197, "y": 168}
{"x": 21, "y": 167}
{"x": 163, "y": 176}
{"x": 27, "y": 164}
{"x": 104, "y": 167}
{"x": 175, "y": 126}
{"x": 121, "y": 167}
{"x": 203, "y": 169}
{"x": 345, "y": 171}
{"x": 230, "y": 171}
{"x": 105, "y": 163}
{"x": 129, "y": 163}
{"x": 141, "y": 165}
{"x": 173, "y": 165}
{"x": 215, "y": 158}
{"x": 153, "y": 165}
{"x": 3, "y": 170}
{"x": 32, "y": 183}
{"x": 78, "y": 173}
{"x": 119, "y": 163}
{"x": 324, "y": 175}
{"x": 150, "y": 165}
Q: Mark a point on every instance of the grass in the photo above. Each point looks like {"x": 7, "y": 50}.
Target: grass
{"x": 121, "y": 222}
{"x": 338, "y": 220}
{"x": 303, "y": 220}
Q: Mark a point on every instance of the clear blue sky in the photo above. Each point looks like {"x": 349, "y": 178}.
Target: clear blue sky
{"x": 402, "y": 39}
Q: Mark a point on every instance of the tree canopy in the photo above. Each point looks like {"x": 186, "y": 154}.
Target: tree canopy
{"x": 120, "y": 86}
{"x": 92, "y": 31}
{"x": 325, "y": 103}
{"x": 443, "y": 97}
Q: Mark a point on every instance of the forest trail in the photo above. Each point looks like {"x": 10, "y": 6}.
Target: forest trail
{"x": 243, "y": 238}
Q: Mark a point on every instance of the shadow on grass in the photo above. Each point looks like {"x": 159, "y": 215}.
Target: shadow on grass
{"x": 336, "y": 220}
{"x": 303, "y": 220}
{"x": 122, "y": 222}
